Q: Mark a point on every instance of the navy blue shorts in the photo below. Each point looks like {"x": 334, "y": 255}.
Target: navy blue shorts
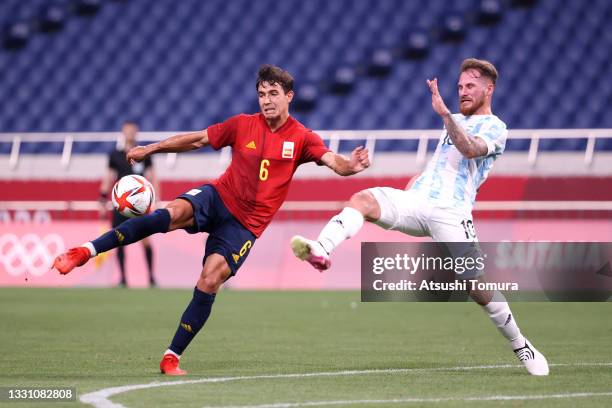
{"x": 227, "y": 236}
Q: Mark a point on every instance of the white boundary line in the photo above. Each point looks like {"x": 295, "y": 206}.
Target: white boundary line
{"x": 421, "y": 400}
{"x": 100, "y": 398}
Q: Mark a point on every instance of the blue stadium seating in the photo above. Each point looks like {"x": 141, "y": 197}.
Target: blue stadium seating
{"x": 182, "y": 65}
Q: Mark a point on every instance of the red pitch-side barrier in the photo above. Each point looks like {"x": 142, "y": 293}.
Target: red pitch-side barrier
{"x": 336, "y": 188}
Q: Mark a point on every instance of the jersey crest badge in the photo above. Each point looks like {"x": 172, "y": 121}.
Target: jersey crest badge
{"x": 288, "y": 148}
{"x": 251, "y": 145}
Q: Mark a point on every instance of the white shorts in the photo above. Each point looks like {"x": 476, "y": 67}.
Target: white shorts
{"x": 412, "y": 214}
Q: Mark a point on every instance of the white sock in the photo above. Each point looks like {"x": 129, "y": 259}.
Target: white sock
{"x": 501, "y": 316}
{"x": 340, "y": 228}
{"x": 91, "y": 248}
{"x": 173, "y": 353}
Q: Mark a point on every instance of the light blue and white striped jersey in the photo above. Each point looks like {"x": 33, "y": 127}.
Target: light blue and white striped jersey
{"x": 450, "y": 179}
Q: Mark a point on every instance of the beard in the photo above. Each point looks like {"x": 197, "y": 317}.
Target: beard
{"x": 473, "y": 108}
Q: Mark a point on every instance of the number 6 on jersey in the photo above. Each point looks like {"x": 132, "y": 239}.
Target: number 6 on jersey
{"x": 263, "y": 169}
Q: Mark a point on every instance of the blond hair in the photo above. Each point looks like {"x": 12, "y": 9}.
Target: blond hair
{"x": 485, "y": 68}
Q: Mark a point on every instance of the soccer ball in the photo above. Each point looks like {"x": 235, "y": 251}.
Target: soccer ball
{"x": 133, "y": 196}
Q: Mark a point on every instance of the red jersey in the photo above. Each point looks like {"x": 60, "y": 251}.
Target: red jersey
{"x": 256, "y": 183}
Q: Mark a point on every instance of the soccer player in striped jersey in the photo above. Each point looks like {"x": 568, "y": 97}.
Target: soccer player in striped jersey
{"x": 439, "y": 202}
{"x": 234, "y": 209}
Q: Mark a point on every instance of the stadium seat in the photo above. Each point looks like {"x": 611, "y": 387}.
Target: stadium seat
{"x": 489, "y": 12}
{"x": 342, "y": 54}
{"x": 416, "y": 44}
{"x": 453, "y": 27}
{"x": 343, "y": 80}
{"x": 52, "y": 17}
{"x": 305, "y": 97}
{"x": 523, "y": 3}
{"x": 87, "y": 7}
{"x": 16, "y": 35}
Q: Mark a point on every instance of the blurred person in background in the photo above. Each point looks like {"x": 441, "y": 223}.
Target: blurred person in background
{"x": 117, "y": 168}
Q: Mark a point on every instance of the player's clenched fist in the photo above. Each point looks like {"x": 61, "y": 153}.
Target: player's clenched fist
{"x": 136, "y": 154}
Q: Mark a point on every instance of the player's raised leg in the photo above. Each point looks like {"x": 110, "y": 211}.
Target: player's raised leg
{"x": 178, "y": 214}
{"x": 215, "y": 272}
{"x": 342, "y": 226}
{"x": 496, "y": 307}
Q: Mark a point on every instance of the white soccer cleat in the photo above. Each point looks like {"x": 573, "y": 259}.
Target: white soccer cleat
{"x": 311, "y": 252}
{"x": 532, "y": 359}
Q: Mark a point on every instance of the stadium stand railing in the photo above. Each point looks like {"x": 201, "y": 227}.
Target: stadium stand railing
{"x": 421, "y": 144}
{"x": 102, "y": 142}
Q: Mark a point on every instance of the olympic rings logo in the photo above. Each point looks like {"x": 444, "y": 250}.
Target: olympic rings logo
{"x": 29, "y": 253}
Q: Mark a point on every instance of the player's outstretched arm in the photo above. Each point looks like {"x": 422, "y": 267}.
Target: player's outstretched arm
{"x": 359, "y": 161}
{"x": 470, "y": 147}
{"x": 173, "y": 144}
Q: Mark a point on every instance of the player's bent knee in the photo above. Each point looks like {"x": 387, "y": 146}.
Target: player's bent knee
{"x": 214, "y": 274}
{"x": 364, "y": 202}
{"x": 209, "y": 284}
{"x": 181, "y": 214}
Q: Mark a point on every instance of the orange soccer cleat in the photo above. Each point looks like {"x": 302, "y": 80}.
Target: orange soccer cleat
{"x": 170, "y": 365}
{"x": 67, "y": 261}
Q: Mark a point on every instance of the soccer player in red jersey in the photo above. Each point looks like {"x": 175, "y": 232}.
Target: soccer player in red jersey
{"x": 234, "y": 209}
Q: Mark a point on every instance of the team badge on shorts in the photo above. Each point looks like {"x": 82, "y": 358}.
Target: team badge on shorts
{"x": 288, "y": 150}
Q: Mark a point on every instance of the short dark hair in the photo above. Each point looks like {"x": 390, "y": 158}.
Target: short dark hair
{"x": 485, "y": 68}
{"x": 274, "y": 75}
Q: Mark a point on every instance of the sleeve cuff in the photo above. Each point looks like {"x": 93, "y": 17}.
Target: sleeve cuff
{"x": 212, "y": 137}
{"x": 489, "y": 143}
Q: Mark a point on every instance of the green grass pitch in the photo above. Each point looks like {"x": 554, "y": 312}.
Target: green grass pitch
{"x": 93, "y": 339}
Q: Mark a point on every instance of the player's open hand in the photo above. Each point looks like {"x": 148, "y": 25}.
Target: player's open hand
{"x": 436, "y": 100}
{"x": 136, "y": 154}
{"x": 360, "y": 160}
